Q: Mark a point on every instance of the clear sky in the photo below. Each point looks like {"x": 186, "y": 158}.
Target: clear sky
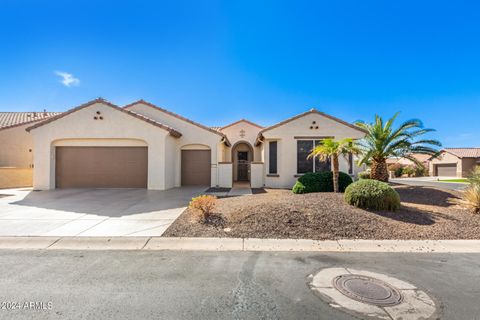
{"x": 218, "y": 61}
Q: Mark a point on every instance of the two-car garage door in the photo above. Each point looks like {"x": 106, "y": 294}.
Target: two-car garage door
{"x": 101, "y": 167}
{"x": 446, "y": 170}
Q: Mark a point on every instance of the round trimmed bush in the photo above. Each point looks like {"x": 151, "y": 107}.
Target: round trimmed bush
{"x": 364, "y": 175}
{"x": 321, "y": 182}
{"x": 373, "y": 195}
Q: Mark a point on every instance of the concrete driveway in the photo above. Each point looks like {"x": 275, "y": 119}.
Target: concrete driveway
{"x": 91, "y": 212}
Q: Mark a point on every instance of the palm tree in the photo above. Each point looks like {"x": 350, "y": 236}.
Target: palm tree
{"x": 383, "y": 141}
{"x": 333, "y": 149}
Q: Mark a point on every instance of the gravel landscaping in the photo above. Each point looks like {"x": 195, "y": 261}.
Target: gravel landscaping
{"x": 426, "y": 213}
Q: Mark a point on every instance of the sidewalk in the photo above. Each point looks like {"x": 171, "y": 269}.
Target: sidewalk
{"x": 239, "y": 244}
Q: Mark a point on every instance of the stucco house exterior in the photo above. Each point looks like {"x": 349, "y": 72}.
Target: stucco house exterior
{"x": 455, "y": 162}
{"x": 99, "y": 144}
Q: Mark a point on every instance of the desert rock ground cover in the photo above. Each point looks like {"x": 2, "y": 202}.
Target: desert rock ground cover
{"x": 426, "y": 213}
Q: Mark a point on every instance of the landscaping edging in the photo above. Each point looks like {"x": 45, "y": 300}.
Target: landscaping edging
{"x": 238, "y": 244}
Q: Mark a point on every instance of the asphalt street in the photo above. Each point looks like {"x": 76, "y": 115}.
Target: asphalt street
{"x": 213, "y": 285}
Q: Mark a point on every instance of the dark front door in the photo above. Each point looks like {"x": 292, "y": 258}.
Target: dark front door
{"x": 242, "y": 163}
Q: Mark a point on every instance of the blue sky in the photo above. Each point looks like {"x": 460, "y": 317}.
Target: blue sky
{"x": 218, "y": 61}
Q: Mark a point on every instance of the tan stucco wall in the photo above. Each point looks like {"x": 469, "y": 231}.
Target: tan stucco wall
{"x": 468, "y": 165}
{"x": 15, "y": 177}
{"x": 287, "y": 145}
{"x": 15, "y": 146}
{"x": 250, "y": 135}
{"x": 79, "y": 127}
{"x": 191, "y": 135}
{"x": 446, "y": 158}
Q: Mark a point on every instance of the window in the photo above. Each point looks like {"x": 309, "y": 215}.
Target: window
{"x": 242, "y": 156}
{"x": 304, "y": 165}
{"x": 272, "y": 157}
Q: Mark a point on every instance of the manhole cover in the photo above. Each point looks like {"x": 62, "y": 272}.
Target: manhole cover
{"x": 367, "y": 290}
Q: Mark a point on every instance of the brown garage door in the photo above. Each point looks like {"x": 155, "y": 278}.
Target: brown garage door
{"x": 196, "y": 167}
{"x": 101, "y": 167}
{"x": 447, "y": 170}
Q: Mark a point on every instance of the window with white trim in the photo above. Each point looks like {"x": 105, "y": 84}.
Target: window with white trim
{"x": 305, "y": 164}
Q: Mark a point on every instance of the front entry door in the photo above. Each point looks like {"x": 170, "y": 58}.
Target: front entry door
{"x": 242, "y": 163}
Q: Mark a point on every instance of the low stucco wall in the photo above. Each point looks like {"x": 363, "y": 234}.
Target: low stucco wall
{"x": 16, "y": 177}
{"x": 256, "y": 175}
{"x": 225, "y": 175}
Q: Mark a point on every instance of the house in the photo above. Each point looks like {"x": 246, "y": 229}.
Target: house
{"x": 141, "y": 145}
{"x": 455, "y": 162}
{"x": 422, "y": 158}
{"x": 16, "y": 144}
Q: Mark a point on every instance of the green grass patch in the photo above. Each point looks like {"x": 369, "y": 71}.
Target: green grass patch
{"x": 454, "y": 180}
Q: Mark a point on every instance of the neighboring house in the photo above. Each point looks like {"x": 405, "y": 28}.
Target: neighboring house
{"x": 99, "y": 144}
{"x": 422, "y": 158}
{"x": 455, "y": 162}
{"x": 16, "y": 160}
{"x": 15, "y": 143}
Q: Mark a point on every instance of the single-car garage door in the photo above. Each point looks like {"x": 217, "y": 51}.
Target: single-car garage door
{"x": 196, "y": 167}
{"x": 101, "y": 167}
{"x": 447, "y": 170}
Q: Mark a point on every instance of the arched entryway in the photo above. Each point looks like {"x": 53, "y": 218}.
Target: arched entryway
{"x": 242, "y": 156}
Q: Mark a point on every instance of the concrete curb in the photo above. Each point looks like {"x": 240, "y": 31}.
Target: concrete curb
{"x": 238, "y": 244}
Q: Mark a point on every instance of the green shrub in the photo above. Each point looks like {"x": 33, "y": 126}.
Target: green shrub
{"x": 364, "y": 175}
{"x": 373, "y": 195}
{"x": 397, "y": 169}
{"x": 409, "y": 171}
{"x": 321, "y": 182}
{"x": 420, "y": 171}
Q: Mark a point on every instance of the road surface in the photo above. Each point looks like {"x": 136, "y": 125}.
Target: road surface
{"x": 214, "y": 285}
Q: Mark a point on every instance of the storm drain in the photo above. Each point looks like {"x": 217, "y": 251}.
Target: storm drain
{"x": 371, "y": 295}
{"x": 367, "y": 290}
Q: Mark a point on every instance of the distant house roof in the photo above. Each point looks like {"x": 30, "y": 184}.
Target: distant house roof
{"x": 464, "y": 152}
{"x": 14, "y": 119}
{"x": 423, "y": 158}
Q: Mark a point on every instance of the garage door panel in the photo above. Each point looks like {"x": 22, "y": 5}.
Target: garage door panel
{"x": 446, "y": 170}
{"x": 196, "y": 167}
{"x": 101, "y": 167}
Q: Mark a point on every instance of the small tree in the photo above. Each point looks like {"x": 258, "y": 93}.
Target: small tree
{"x": 384, "y": 141}
{"x": 333, "y": 149}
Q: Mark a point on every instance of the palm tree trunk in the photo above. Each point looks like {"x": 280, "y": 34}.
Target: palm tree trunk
{"x": 335, "y": 173}
{"x": 379, "y": 170}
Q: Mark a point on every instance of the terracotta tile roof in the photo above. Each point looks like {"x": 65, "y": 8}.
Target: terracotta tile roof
{"x": 151, "y": 105}
{"x": 281, "y": 123}
{"x": 172, "y": 131}
{"x": 14, "y": 119}
{"x": 464, "y": 152}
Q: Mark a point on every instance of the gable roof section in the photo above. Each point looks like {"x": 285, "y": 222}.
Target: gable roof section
{"x": 14, "y": 119}
{"x": 239, "y": 121}
{"x": 151, "y": 105}
{"x": 170, "y": 130}
{"x": 464, "y": 152}
{"x": 311, "y": 111}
